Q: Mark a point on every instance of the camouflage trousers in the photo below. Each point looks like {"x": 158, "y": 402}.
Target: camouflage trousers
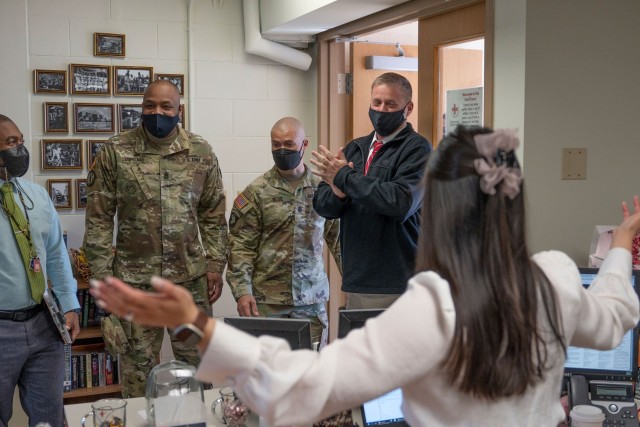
{"x": 317, "y": 313}
{"x": 146, "y": 344}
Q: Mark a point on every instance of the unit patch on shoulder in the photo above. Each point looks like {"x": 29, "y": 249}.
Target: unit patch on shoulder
{"x": 91, "y": 178}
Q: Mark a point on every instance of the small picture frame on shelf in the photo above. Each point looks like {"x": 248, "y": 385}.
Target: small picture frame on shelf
{"x": 94, "y": 118}
{"x": 90, "y": 79}
{"x": 130, "y": 116}
{"x": 93, "y": 148}
{"x": 61, "y": 154}
{"x": 56, "y": 117}
{"x": 107, "y": 44}
{"x": 60, "y": 192}
{"x": 176, "y": 79}
{"x": 81, "y": 193}
{"x": 131, "y": 81}
{"x": 50, "y": 81}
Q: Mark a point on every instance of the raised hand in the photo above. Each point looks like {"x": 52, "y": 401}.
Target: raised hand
{"x": 630, "y": 226}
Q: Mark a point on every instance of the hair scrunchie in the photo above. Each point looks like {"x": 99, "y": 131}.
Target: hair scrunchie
{"x": 498, "y": 166}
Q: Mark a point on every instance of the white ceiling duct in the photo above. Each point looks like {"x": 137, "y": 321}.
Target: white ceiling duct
{"x": 255, "y": 44}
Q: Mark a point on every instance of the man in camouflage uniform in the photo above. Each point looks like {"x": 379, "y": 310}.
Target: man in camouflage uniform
{"x": 165, "y": 185}
{"x": 276, "y": 266}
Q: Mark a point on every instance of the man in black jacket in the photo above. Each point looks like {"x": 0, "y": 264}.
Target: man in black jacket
{"x": 373, "y": 186}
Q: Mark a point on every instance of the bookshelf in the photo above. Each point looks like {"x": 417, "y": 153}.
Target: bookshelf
{"x": 89, "y": 342}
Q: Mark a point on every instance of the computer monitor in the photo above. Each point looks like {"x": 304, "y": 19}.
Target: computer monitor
{"x": 618, "y": 364}
{"x": 297, "y": 332}
{"x": 354, "y": 319}
{"x": 385, "y": 410}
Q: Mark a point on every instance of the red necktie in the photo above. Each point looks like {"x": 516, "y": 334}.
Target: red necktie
{"x": 376, "y": 146}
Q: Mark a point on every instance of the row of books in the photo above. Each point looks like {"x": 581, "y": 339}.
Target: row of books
{"x": 90, "y": 369}
{"x": 91, "y": 314}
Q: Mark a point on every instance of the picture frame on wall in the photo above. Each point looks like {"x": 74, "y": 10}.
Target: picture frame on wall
{"x": 56, "y": 117}
{"x": 88, "y": 79}
{"x": 50, "y": 81}
{"x": 108, "y": 44}
{"x": 93, "y": 148}
{"x": 176, "y": 79}
{"x": 81, "y": 193}
{"x": 130, "y": 116}
{"x": 94, "y": 118}
{"x": 60, "y": 192}
{"x": 61, "y": 154}
{"x": 131, "y": 81}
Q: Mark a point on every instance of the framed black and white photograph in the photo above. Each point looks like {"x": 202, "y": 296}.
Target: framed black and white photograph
{"x": 61, "y": 154}
{"x": 81, "y": 193}
{"x": 130, "y": 116}
{"x": 56, "y": 117}
{"x": 131, "y": 81}
{"x": 50, "y": 81}
{"x": 106, "y": 44}
{"x": 176, "y": 79}
{"x": 60, "y": 192}
{"x": 93, "y": 148}
{"x": 94, "y": 118}
{"x": 90, "y": 79}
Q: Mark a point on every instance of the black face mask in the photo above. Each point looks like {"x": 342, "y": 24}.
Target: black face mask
{"x": 159, "y": 125}
{"x": 16, "y": 160}
{"x": 287, "y": 159}
{"x": 385, "y": 123}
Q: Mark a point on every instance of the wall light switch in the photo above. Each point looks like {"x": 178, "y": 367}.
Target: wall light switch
{"x": 574, "y": 163}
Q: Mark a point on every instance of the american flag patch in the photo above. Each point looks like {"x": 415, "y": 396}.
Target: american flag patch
{"x": 240, "y": 201}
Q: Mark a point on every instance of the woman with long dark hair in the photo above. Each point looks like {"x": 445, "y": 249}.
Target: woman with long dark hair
{"x": 478, "y": 338}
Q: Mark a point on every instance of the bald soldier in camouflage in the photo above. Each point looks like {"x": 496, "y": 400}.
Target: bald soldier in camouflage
{"x": 276, "y": 266}
{"x": 165, "y": 185}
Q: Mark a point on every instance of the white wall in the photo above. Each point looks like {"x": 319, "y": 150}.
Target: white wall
{"x": 509, "y": 68}
{"x": 582, "y": 62}
{"x": 237, "y": 97}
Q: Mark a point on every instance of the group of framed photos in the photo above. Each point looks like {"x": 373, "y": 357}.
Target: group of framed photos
{"x": 86, "y": 79}
{"x": 60, "y": 191}
{"x": 68, "y": 154}
{"x": 94, "y": 118}
{"x": 59, "y": 154}
{"x": 97, "y": 80}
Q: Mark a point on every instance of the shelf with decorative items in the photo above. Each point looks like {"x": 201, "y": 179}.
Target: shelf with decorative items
{"x": 91, "y": 372}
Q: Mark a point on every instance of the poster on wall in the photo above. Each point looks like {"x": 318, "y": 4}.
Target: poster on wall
{"x": 464, "y": 107}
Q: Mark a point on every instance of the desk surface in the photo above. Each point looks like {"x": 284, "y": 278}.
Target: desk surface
{"x": 136, "y": 413}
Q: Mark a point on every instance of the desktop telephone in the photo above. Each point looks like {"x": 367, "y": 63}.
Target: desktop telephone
{"x": 615, "y": 398}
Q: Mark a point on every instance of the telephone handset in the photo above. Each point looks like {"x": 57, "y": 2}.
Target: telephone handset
{"x": 578, "y": 391}
{"x": 615, "y": 398}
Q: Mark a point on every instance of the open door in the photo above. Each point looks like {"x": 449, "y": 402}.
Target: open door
{"x": 456, "y": 89}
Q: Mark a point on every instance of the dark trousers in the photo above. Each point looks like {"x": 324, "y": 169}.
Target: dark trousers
{"x": 32, "y": 357}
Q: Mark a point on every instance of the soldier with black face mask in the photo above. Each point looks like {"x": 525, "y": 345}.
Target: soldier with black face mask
{"x": 276, "y": 239}
{"x": 373, "y": 187}
{"x": 165, "y": 185}
{"x": 32, "y": 252}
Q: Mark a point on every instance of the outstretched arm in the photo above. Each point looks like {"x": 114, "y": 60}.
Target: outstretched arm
{"x": 169, "y": 306}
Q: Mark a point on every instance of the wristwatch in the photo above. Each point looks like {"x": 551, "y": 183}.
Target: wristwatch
{"x": 191, "y": 333}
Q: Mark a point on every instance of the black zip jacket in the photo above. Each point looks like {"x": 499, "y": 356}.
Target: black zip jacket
{"x": 380, "y": 217}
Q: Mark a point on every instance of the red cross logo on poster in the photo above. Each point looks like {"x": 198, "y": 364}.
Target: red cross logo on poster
{"x": 454, "y": 110}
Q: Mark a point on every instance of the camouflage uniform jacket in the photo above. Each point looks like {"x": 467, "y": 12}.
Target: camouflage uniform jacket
{"x": 165, "y": 197}
{"x": 276, "y": 242}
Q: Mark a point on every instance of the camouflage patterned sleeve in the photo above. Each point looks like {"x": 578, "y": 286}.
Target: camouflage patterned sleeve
{"x": 211, "y": 219}
{"x": 245, "y": 229}
{"x": 101, "y": 207}
{"x": 332, "y": 237}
